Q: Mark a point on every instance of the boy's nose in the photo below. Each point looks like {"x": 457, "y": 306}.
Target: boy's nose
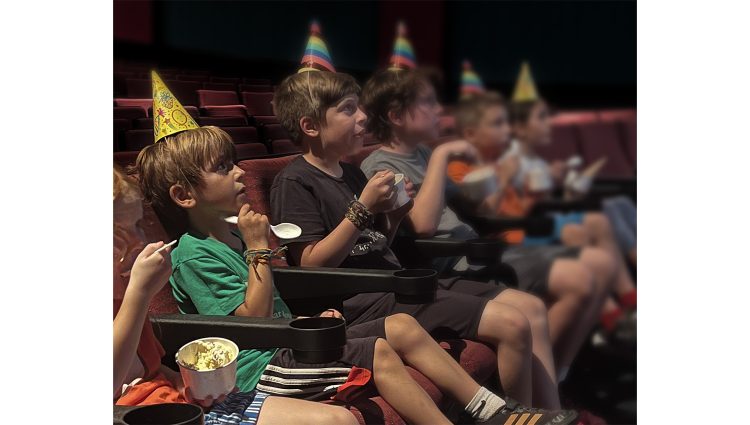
{"x": 361, "y": 116}
{"x": 239, "y": 172}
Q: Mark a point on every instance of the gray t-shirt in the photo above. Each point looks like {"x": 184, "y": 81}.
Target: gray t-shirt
{"x": 414, "y": 166}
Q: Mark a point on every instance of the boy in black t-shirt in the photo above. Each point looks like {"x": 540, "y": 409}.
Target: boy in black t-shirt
{"x": 348, "y": 220}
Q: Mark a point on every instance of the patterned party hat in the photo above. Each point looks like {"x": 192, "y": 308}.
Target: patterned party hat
{"x": 470, "y": 81}
{"x": 403, "y": 54}
{"x": 316, "y": 56}
{"x": 169, "y": 115}
{"x": 525, "y": 90}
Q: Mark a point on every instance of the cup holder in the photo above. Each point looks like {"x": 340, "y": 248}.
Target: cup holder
{"x": 484, "y": 251}
{"x": 165, "y": 414}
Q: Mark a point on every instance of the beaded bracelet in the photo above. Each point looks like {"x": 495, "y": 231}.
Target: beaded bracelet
{"x": 358, "y": 214}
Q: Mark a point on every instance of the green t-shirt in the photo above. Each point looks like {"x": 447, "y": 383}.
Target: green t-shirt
{"x": 209, "y": 277}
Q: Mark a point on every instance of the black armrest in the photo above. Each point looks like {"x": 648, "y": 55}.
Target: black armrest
{"x": 165, "y": 413}
{"x": 310, "y": 290}
{"x": 313, "y": 340}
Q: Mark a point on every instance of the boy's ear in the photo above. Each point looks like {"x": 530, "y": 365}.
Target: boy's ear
{"x": 396, "y": 118}
{"x": 181, "y": 196}
{"x": 309, "y": 127}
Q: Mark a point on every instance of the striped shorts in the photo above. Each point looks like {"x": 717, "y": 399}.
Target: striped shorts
{"x": 237, "y": 409}
{"x": 285, "y": 376}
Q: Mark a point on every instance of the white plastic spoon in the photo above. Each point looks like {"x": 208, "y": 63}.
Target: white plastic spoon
{"x": 282, "y": 230}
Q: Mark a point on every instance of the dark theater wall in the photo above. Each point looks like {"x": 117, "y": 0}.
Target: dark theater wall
{"x": 582, "y": 53}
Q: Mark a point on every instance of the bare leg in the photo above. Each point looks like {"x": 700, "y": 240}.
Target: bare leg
{"x": 598, "y": 227}
{"x": 292, "y": 411}
{"x": 575, "y": 307}
{"x": 417, "y": 348}
{"x": 574, "y": 235}
{"x": 509, "y": 330}
{"x": 398, "y": 388}
{"x": 545, "y": 393}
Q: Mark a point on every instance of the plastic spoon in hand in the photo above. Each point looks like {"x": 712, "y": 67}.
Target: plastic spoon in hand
{"x": 282, "y": 230}
{"x": 166, "y": 246}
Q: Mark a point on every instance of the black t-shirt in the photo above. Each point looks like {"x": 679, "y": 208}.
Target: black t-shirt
{"x": 317, "y": 202}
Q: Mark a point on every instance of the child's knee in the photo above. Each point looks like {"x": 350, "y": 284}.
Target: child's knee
{"x": 602, "y": 264}
{"x": 509, "y": 325}
{"x": 403, "y": 330}
{"x": 573, "y": 279}
{"x": 598, "y": 223}
{"x": 535, "y": 310}
{"x": 385, "y": 357}
{"x": 338, "y": 415}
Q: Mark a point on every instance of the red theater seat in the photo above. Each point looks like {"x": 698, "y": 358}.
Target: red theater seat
{"x": 220, "y": 86}
{"x": 617, "y": 115}
{"x": 144, "y": 123}
{"x": 128, "y": 112}
{"x": 242, "y": 134}
{"x": 601, "y": 139}
{"x": 250, "y": 150}
{"x": 217, "y": 98}
{"x": 258, "y": 103}
{"x": 284, "y": 146}
{"x": 574, "y": 117}
{"x": 136, "y": 140}
{"x": 185, "y": 91}
{"x": 225, "y": 111}
{"x": 630, "y": 136}
{"x": 138, "y": 88}
{"x": 144, "y": 103}
{"x": 275, "y": 132}
{"x": 223, "y": 121}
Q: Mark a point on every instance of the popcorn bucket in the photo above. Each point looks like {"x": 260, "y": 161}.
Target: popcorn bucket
{"x": 213, "y": 382}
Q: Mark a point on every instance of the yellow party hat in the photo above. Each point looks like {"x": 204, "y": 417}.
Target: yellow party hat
{"x": 525, "y": 90}
{"x": 169, "y": 115}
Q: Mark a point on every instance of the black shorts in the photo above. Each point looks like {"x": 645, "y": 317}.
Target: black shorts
{"x": 285, "y": 376}
{"x": 532, "y": 265}
{"x": 455, "y": 313}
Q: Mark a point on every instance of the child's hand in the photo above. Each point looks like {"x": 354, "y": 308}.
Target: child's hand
{"x": 151, "y": 270}
{"x": 456, "y": 148}
{"x": 331, "y": 313}
{"x": 254, "y": 228}
{"x": 409, "y": 188}
{"x": 378, "y": 196}
{"x": 207, "y": 403}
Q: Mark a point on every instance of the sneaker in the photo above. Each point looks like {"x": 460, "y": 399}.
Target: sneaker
{"x": 517, "y": 414}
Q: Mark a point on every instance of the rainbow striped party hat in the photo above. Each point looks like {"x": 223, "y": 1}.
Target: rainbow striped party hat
{"x": 525, "y": 90}
{"x": 169, "y": 115}
{"x": 470, "y": 81}
{"x": 403, "y": 54}
{"x": 316, "y": 56}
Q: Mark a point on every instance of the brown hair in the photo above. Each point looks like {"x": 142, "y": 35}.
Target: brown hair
{"x": 391, "y": 90}
{"x": 309, "y": 94}
{"x": 179, "y": 159}
{"x": 520, "y": 112}
{"x": 471, "y": 108}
